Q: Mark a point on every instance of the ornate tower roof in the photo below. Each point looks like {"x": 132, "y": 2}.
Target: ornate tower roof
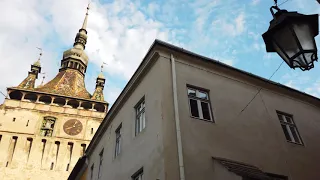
{"x": 67, "y": 88}
{"x": 70, "y": 79}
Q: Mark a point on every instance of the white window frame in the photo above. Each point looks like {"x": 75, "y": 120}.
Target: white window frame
{"x": 140, "y": 119}
{"x": 100, "y": 163}
{"x": 117, "y": 149}
{"x": 288, "y": 126}
{"x": 199, "y": 100}
{"x": 138, "y": 175}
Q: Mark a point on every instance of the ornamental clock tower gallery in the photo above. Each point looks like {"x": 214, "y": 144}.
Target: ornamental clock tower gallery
{"x": 45, "y": 129}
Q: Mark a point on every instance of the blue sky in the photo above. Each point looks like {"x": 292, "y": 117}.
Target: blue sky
{"x": 120, "y": 33}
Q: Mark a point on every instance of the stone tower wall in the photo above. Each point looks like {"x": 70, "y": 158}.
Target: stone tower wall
{"x": 26, "y": 154}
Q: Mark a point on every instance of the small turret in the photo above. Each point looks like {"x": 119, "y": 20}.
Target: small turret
{"x": 98, "y": 93}
{"x": 29, "y": 81}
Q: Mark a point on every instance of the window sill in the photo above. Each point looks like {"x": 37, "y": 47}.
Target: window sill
{"x": 116, "y": 158}
{"x": 295, "y": 143}
{"x": 139, "y": 133}
{"x": 211, "y": 121}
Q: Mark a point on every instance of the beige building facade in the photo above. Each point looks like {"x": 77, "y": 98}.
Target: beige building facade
{"x": 45, "y": 129}
{"x": 182, "y": 116}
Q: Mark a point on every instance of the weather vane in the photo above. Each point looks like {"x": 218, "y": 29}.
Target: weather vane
{"x": 40, "y": 52}
{"x": 43, "y": 77}
{"x": 102, "y": 65}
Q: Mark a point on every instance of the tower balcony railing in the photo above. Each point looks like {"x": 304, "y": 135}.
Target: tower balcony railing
{"x": 56, "y": 100}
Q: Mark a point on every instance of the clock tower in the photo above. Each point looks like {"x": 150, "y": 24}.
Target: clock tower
{"x": 45, "y": 129}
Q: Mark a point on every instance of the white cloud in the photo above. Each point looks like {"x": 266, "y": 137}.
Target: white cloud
{"x": 153, "y": 8}
{"x": 203, "y": 8}
{"x": 112, "y": 94}
{"x": 235, "y": 28}
{"x": 118, "y": 33}
{"x": 255, "y": 2}
{"x": 256, "y": 46}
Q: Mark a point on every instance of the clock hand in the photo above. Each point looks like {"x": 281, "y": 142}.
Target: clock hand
{"x": 69, "y": 127}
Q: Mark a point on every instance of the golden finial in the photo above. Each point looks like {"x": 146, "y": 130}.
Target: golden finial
{"x": 37, "y": 63}
{"x": 101, "y": 76}
{"x": 40, "y": 52}
{"x": 43, "y": 77}
{"x": 84, "y": 25}
{"x": 102, "y": 66}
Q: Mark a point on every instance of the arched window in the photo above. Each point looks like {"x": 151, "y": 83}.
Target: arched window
{"x": 73, "y": 103}
{"x": 86, "y": 105}
{"x": 59, "y": 101}
{"x": 47, "y": 126}
{"x": 15, "y": 95}
{"x": 99, "y": 107}
{"x": 31, "y": 96}
{"x": 45, "y": 99}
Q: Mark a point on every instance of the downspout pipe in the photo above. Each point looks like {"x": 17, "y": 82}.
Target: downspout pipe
{"x": 176, "y": 117}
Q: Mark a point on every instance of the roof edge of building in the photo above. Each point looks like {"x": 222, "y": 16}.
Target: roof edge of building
{"x": 138, "y": 74}
{"x": 210, "y": 60}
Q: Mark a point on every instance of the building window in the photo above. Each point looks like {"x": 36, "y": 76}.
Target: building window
{"x": 289, "y": 128}
{"x": 91, "y": 173}
{"x": 118, "y": 141}
{"x": 83, "y": 149}
{"x": 199, "y": 104}
{"x": 100, "y": 163}
{"x": 140, "y": 123}
{"x": 138, "y": 175}
{"x": 47, "y": 126}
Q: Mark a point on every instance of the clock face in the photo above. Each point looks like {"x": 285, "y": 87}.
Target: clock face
{"x": 72, "y": 127}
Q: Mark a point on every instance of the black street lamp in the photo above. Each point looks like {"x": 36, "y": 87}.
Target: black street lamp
{"x": 291, "y": 35}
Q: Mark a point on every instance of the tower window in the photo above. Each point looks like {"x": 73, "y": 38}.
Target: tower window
{"x": 83, "y": 150}
{"x": 29, "y": 146}
{"x": 14, "y": 119}
{"x": 12, "y": 147}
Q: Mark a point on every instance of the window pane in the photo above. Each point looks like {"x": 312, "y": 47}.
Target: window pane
{"x": 194, "y": 108}
{"x": 205, "y": 110}
{"x": 137, "y": 124}
{"x": 295, "y": 134}
{"x": 202, "y": 95}
{"x": 140, "y": 122}
{"x": 191, "y": 92}
{"x": 288, "y": 119}
{"x": 143, "y": 120}
{"x": 284, "y": 128}
{"x": 280, "y": 117}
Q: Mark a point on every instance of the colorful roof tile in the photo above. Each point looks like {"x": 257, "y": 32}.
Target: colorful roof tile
{"x": 67, "y": 83}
